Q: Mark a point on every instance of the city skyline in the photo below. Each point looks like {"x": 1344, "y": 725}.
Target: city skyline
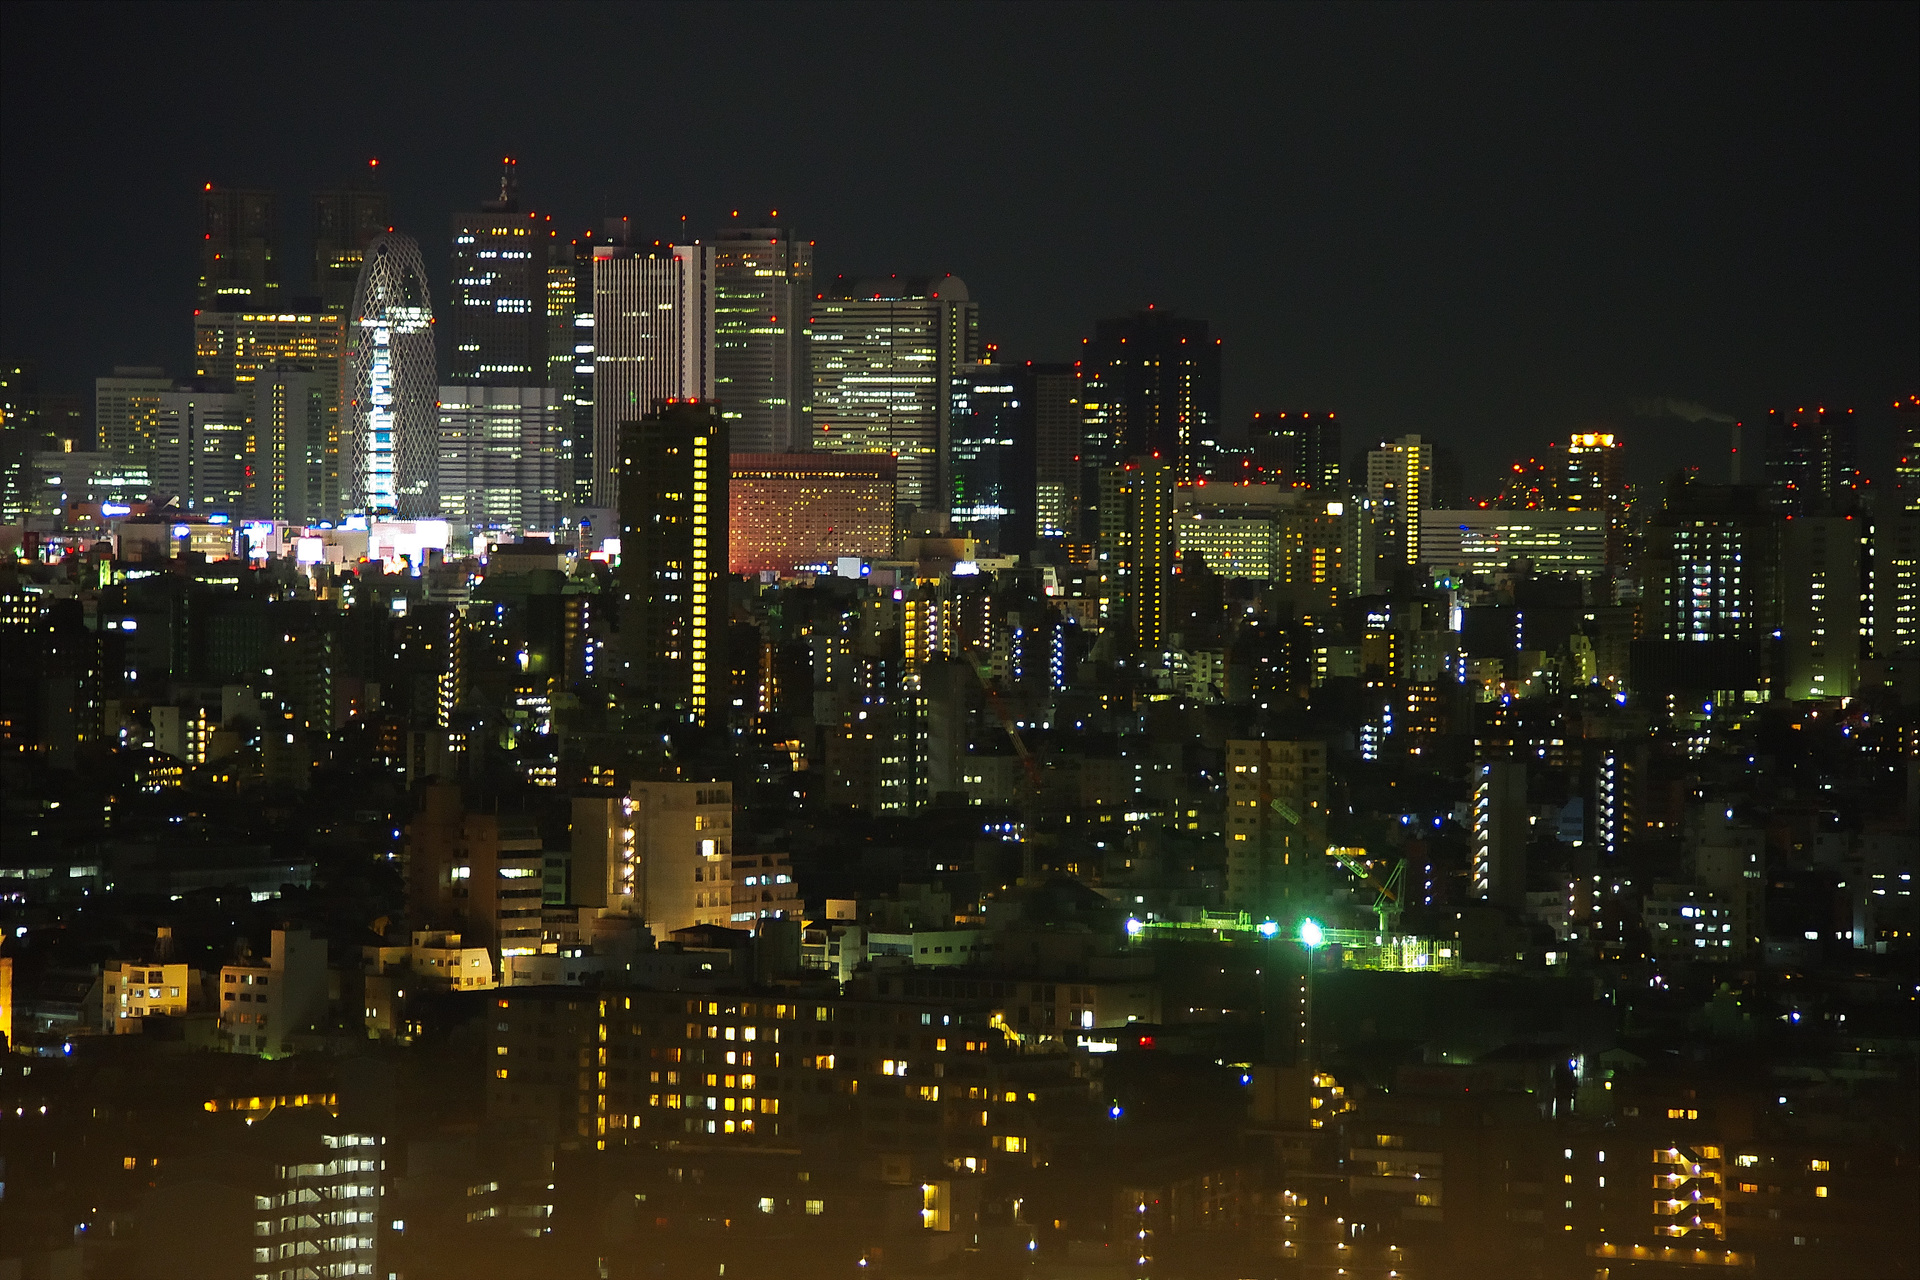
{"x": 1564, "y": 306}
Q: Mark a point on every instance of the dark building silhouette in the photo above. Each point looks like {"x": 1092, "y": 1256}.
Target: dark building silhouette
{"x": 496, "y": 299}
{"x": 1150, "y": 385}
{"x": 239, "y": 248}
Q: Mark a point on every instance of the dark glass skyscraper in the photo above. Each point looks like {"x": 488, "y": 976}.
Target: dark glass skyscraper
{"x": 1150, "y": 386}
{"x": 346, "y": 218}
{"x": 763, "y": 281}
{"x": 239, "y": 246}
{"x": 1812, "y": 460}
{"x": 497, "y": 298}
{"x": 1300, "y": 450}
{"x": 992, "y": 453}
{"x": 673, "y": 476}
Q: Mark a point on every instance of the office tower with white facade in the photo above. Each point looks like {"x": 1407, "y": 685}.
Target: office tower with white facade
{"x": 763, "y": 286}
{"x": 652, "y": 340}
{"x": 503, "y": 457}
{"x": 884, "y": 352}
{"x": 239, "y": 243}
{"x": 1399, "y": 486}
{"x": 387, "y": 438}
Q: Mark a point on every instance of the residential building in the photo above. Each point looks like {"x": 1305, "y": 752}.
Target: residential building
{"x": 263, "y": 1006}
{"x": 1276, "y": 827}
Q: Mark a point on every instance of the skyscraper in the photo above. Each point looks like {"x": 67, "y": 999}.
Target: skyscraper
{"x": 1056, "y": 447}
{"x": 293, "y": 443}
{"x": 1500, "y": 832}
{"x": 240, "y": 233}
{"x": 1135, "y": 551}
{"x": 1151, "y": 385}
{"x": 1593, "y": 478}
{"x": 387, "y": 439}
{"x": 652, "y": 340}
{"x": 883, "y": 353}
{"x": 235, "y": 350}
{"x": 502, "y": 457}
{"x": 1299, "y": 450}
{"x": 991, "y": 451}
{"x": 1400, "y": 485}
{"x": 1812, "y": 460}
{"x": 497, "y": 302}
{"x": 1276, "y": 828}
{"x": 346, "y": 218}
{"x": 673, "y": 478}
{"x": 198, "y": 451}
{"x": 1712, "y": 565}
{"x": 763, "y": 284}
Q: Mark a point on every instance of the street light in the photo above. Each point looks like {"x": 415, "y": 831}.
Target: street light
{"x": 1311, "y": 934}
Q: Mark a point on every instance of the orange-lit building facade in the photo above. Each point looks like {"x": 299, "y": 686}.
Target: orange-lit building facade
{"x": 789, "y": 510}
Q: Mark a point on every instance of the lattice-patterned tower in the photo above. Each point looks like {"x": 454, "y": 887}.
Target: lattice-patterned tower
{"x": 387, "y": 444}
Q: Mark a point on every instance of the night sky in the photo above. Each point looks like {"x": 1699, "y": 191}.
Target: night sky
{"x": 1490, "y": 225}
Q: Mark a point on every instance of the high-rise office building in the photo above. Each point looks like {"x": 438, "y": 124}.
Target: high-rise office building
{"x": 1593, "y": 478}
{"x": 1826, "y": 617}
{"x": 123, "y": 410}
{"x": 1812, "y": 460}
{"x": 1057, "y": 476}
{"x": 235, "y": 349}
{"x": 239, "y": 242}
{"x": 496, "y": 309}
{"x": 652, "y": 340}
{"x": 884, "y": 352}
{"x": 293, "y": 443}
{"x": 346, "y": 218}
{"x": 1711, "y": 569}
{"x": 32, "y": 421}
{"x": 1299, "y": 450}
{"x": 502, "y": 457}
{"x": 1276, "y": 828}
{"x": 992, "y": 455}
{"x": 570, "y": 346}
{"x": 795, "y": 510}
{"x": 673, "y": 478}
{"x": 1483, "y": 541}
{"x": 1135, "y": 551}
{"x": 763, "y": 286}
{"x": 1150, "y": 384}
{"x": 198, "y": 455}
{"x": 1400, "y": 486}
{"x": 387, "y": 436}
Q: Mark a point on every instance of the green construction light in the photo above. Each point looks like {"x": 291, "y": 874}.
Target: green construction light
{"x": 1311, "y": 934}
{"x": 1268, "y": 929}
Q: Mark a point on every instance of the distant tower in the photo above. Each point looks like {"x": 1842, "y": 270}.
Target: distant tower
{"x": 673, "y": 481}
{"x": 1812, "y": 460}
{"x": 652, "y": 340}
{"x": 884, "y": 351}
{"x": 1151, "y": 385}
{"x": 240, "y": 232}
{"x": 763, "y": 285}
{"x": 345, "y": 221}
{"x": 497, "y": 303}
{"x": 387, "y": 440}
